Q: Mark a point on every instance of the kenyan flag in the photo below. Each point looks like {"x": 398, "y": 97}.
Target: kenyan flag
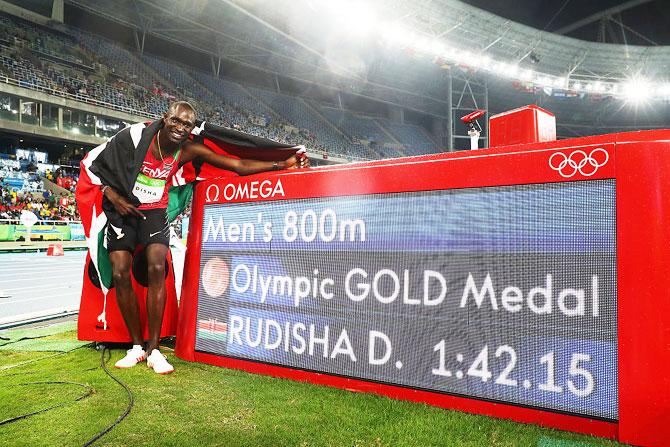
{"x": 117, "y": 162}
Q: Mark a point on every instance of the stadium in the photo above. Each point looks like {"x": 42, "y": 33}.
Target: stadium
{"x": 334, "y": 223}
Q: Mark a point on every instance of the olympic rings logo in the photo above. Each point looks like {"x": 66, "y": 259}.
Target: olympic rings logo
{"x": 578, "y": 161}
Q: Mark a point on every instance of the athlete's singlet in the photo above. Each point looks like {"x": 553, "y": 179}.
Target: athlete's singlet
{"x": 151, "y": 186}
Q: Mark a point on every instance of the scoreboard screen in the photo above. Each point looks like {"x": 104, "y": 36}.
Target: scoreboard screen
{"x": 505, "y": 294}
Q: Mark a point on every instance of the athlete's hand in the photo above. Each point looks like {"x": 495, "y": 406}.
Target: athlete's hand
{"x": 122, "y": 205}
{"x": 299, "y": 160}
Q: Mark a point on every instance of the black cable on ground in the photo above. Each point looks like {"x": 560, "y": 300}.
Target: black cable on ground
{"x": 131, "y": 400}
{"x": 105, "y": 350}
{"x": 89, "y": 391}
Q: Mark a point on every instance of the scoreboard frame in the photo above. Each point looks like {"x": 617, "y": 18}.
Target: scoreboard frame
{"x": 640, "y": 164}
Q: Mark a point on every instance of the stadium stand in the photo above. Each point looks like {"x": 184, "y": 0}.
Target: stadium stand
{"x": 360, "y": 128}
{"x": 415, "y": 141}
{"x": 84, "y": 66}
{"x": 22, "y": 185}
{"x": 46, "y": 205}
{"x": 298, "y": 113}
{"x": 233, "y": 94}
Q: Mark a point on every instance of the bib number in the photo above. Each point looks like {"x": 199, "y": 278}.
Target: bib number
{"x": 148, "y": 190}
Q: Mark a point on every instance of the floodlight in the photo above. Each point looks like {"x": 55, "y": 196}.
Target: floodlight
{"x": 437, "y": 47}
{"x": 355, "y": 18}
{"x": 500, "y": 67}
{"x": 394, "y": 34}
{"x": 637, "y": 90}
{"x": 527, "y": 75}
{"x": 470, "y": 59}
{"x": 511, "y": 70}
{"x": 422, "y": 44}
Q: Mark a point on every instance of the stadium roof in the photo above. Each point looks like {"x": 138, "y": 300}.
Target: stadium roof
{"x": 391, "y": 50}
{"x": 300, "y": 36}
{"x": 626, "y": 22}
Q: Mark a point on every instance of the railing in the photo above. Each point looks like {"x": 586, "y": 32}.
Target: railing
{"x": 11, "y": 230}
{"x": 40, "y": 222}
{"x": 88, "y": 100}
{"x": 74, "y": 96}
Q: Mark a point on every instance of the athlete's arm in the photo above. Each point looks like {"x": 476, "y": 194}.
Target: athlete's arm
{"x": 191, "y": 151}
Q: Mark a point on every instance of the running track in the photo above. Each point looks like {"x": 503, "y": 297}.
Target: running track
{"x": 39, "y": 285}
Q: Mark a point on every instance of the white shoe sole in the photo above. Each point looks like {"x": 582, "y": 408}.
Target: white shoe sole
{"x": 162, "y": 373}
{"x": 126, "y": 367}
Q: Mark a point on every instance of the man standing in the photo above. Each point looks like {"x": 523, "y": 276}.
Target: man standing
{"x": 135, "y": 169}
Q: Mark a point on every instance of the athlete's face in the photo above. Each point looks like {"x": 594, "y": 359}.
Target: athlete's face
{"x": 178, "y": 124}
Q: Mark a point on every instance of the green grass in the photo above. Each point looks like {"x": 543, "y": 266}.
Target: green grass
{"x": 205, "y": 405}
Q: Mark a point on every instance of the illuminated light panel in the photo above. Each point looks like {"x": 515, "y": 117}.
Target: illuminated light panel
{"x": 364, "y": 295}
{"x": 637, "y": 90}
{"x": 394, "y": 33}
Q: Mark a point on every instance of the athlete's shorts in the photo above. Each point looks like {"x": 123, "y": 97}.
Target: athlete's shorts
{"x": 135, "y": 230}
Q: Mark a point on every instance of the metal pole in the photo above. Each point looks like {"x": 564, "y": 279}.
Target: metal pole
{"x": 488, "y": 114}
{"x": 450, "y": 115}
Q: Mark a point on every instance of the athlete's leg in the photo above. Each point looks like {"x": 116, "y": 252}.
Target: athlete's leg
{"x": 156, "y": 295}
{"x": 125, "y": 295}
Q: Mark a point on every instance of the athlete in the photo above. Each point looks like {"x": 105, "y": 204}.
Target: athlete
{"x": 135, "y": 189}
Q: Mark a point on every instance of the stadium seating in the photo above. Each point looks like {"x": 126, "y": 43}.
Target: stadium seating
{"x": 87, "y": 67}
{"x": 358, "y": 127}
{"x": 414, "y": 139}
{"x": 299, "y": 114}
{"x": 233, "y": 94}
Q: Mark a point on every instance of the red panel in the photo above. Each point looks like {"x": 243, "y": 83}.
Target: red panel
{"x": 643, "y": 238}
{"x": 643, "y": 221}
{"x": 446, "y": 171}
{"x": 188, "y": 310}
{"x": 528, "y": 124}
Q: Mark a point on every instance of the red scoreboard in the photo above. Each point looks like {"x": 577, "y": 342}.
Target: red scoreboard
{"x": 524, "y": 282}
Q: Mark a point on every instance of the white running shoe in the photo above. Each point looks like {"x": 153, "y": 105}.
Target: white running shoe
{"x": 159, "y": 363}
{"x": 132, "y": 358}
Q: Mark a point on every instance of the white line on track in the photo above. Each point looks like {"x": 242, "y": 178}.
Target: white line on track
{"x": 37, "y": 299}
{"x": 38, "y": 274}
{"x": 33, "y": 272}
{"x": 42, "y": 262}
{"x": 41, "y": 278}
{"x": 44, "y": 270}
{"x": 33, "y": 267}
{"x": 41, "y": 286}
